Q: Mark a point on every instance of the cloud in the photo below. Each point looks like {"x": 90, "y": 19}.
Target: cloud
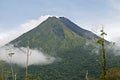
{"x": 7, "y": 36}
{"x": 112, "y": 29}
{"x": 33, "y": 23}
{"x": 35, "y": 58}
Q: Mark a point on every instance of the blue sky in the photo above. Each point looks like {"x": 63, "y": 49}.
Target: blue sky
{"x": 88, "y": 14}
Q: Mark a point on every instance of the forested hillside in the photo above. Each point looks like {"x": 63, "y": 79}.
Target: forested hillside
{"x": 74, "y": 48}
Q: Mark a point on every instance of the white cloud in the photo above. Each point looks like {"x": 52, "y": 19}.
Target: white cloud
{"x": 6, "y": 36}
{"x": 35, "y": 58}
{"x": 113, "y": 33}
{"x": 110, "y": 20}
{"x": 112, "y": 30}
{"x": 33, "y": 23}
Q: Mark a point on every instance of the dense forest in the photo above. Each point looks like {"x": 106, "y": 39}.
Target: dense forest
{"x": 72, "y": 65}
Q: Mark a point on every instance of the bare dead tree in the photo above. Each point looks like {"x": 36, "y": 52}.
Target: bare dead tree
{"x": 28, "y": 53}
{"x": 12, "y": 72}
{"x": 86, "y": 76}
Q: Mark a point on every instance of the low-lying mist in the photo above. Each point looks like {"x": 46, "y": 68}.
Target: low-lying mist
{"x": 111, "y": 48}
{"x": 36, "y": 57}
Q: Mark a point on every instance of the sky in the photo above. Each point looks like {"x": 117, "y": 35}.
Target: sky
{"x": 19, "y": 16}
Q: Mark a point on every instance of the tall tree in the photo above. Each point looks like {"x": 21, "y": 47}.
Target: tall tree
{"x": 101, "y": 41}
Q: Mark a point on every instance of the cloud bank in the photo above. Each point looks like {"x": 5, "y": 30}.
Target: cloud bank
{"x": 20, "y": 57}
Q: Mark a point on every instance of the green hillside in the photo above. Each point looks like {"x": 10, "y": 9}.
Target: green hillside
{"x": 52, "y": 36}
{"x": 74, "y": 48}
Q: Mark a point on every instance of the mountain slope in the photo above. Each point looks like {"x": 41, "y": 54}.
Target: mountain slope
{"x": 68, "y": 43}
{"x": 55, "y": 34}
{"x": 82, "y": 32}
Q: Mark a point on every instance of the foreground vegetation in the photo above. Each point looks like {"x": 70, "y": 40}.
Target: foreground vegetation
{"x": 71, "y": 65}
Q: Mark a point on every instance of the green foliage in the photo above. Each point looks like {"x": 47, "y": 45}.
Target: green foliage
{"x": 71, "y": 65}
{"x": 11, "y": 54}
{"x": 31, "y": 77}
{"x": 101, "y": 41}
{"x": 70, "y": 48}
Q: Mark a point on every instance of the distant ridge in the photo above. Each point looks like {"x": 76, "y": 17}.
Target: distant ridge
{"x": 82, "y": 32}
